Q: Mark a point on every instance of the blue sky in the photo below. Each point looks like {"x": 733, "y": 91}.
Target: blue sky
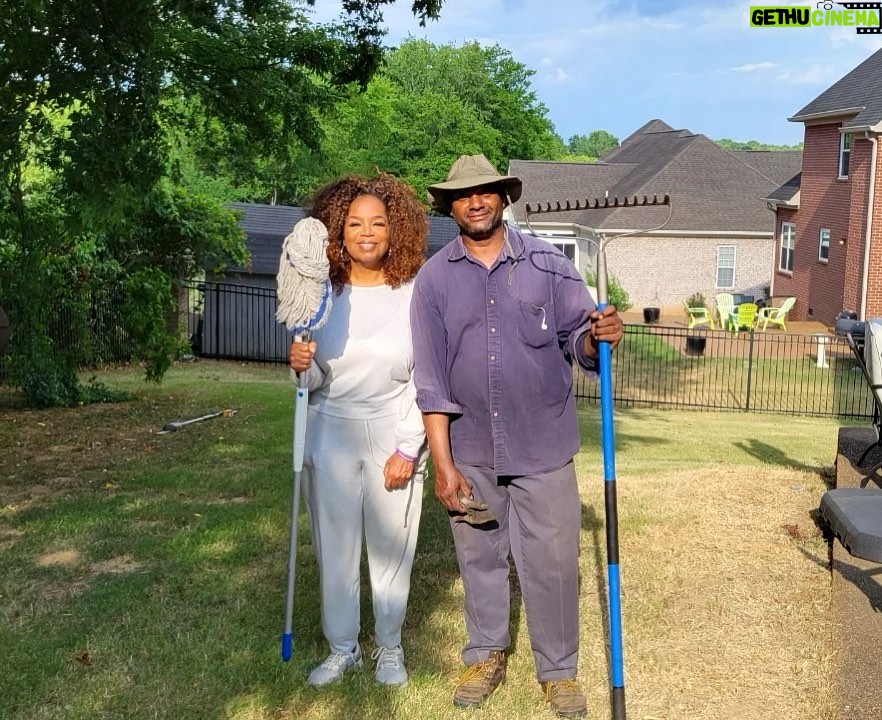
{"x": 614, "y": 64}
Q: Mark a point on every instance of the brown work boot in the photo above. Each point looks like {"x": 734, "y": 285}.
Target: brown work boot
{"x": 565, "y": 698}
{"x": 478, "y": 681}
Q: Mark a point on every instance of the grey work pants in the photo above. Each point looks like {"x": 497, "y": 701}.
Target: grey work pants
{"x": 539, "y": 519}
{"x": 346, "y": 500}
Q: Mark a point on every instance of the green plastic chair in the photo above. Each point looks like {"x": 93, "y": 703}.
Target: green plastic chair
{"x": 698, "y": 316}
{"x": 744, "y": 317}
{"x": 775, "y": 315}
{"x": 725, "y": 305}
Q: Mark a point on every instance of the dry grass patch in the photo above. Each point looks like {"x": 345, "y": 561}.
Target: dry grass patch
{"x": 726, "y": 611}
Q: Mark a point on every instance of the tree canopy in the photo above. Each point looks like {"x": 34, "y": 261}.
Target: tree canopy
{"x": 95, "y": 191}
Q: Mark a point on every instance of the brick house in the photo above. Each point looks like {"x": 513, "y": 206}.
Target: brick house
{"x": 828, "y": 246}
{"x": 720, "y": 236}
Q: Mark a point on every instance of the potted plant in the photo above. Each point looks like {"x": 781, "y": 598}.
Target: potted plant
{"x": 652, "y": 312}
{"x": 696, "y": 344}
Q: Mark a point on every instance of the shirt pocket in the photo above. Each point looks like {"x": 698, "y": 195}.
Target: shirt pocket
{"x": 535, "y": 326}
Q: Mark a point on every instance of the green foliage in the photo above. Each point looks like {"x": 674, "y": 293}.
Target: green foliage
{"x": 728, "y": 144}
{"x": 427, "y": 105}
{"x": 697, "y": 300}
{"x": 594, "y": 145}
{"x": 126, "y": 126}
{"x": 617, "y": 295}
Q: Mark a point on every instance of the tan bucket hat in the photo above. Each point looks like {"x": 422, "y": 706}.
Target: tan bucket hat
{"x": 467, "y": 172}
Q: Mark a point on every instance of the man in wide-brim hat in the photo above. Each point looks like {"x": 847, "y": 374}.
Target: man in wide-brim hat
{"x": 471, "y": 171}
{"x": 498, "y": 317}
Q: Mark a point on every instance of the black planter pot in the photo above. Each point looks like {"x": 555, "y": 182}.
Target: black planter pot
{"x": 651, "y": 315}
{"x": 695, "y": 345}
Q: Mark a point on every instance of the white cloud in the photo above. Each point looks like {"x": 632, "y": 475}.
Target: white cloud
{"x": 753, "y": 67}
{"x": 810, "y": 75}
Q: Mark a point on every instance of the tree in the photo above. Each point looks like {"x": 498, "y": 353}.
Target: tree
{"x": 90, "y": 186}
{"x": 728, "y": 144}
{"x": 427, "y": 105}
{"x": 595, "y": 145}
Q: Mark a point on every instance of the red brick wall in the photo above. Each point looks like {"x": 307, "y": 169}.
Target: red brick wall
{"x": 823, "y": 289}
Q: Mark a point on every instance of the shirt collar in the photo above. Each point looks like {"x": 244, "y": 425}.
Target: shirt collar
{"x": 515, "y": 242}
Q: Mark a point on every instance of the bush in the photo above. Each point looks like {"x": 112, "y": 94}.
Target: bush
{"x": 696, "y": 300}
{"x": 618, "y": 296}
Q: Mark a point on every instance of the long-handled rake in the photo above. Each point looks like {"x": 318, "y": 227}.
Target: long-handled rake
{"x": 617, "y": 671}
{"x": 304, "y": 295}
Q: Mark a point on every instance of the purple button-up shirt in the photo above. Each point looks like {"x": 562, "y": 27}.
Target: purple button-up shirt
{"x": 493, "y": 349}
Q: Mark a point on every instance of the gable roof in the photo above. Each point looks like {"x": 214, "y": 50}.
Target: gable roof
{"x": 858, "y": 94}
{"x": 267, "y": 226}
{"x": 711, "y": 189}
{"x": 787, "y": 195}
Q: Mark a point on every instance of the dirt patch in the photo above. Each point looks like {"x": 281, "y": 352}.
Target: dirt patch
{"x": 63, "y": 558}
{"x": 116, "y": 566}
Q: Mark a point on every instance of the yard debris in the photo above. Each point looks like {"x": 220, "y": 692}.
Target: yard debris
{"x": 175, "y": 425}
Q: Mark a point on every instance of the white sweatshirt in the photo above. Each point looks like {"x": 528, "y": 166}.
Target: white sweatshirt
{"x": 363, "y": 365}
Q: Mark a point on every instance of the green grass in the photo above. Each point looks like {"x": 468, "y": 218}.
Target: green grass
{"x": 142, "y": 575}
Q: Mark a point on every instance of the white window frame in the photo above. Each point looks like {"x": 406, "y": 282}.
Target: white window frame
{"x": 824, "y": 245}
{"x": 562, "y": 241}
{"x": 844, "y": 154}
{"x": 721, "y": 266}
{"x": 788, "y": 246}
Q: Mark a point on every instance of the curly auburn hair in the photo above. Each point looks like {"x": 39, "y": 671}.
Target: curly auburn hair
{"x": 408, "y": 225}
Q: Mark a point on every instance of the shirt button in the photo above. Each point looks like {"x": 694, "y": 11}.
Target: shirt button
{"x": 493, "y": 330}
{"x": 492, "y": 357}
{"x": 495, "y": 414}
{"x": 492, "y": 301}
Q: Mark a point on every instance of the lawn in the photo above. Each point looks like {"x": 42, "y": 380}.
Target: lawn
{"x": 142, "y": 574}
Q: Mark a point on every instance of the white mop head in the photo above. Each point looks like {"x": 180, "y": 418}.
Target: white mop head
{"x": 304, "y": 290}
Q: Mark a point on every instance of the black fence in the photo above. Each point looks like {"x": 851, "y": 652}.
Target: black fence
{"x": 655, "y": 365}
{"x": 775, "y": 372}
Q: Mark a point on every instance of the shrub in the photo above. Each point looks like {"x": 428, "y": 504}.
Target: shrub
{"x": 618, "y": 296}
{"x": 696, "y": 300}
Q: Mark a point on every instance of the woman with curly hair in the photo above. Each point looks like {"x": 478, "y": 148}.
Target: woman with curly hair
{"x": 364, "y": 460}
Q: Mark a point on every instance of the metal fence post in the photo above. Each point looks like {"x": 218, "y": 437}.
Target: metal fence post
{"x": 749, "y": 371}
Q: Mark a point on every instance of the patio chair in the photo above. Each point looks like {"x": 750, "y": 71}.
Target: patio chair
{"x": 698, "y": 316}
{"x": 725, "y": 303}
{"x": 743, "y": 317}
{"x": 854, "y": 514}
{"x": 775, "y": 315}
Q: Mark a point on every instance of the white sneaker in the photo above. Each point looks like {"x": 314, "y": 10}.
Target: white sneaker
{"x": 390, "y": 665}
{"x": 334, "y": 666}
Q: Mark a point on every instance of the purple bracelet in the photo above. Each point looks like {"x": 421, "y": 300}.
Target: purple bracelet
{"x": 404, "y": 456}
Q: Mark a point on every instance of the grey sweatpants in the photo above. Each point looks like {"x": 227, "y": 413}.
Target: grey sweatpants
{"x": 539, "y": 519}
{"x": 345, "y": 498}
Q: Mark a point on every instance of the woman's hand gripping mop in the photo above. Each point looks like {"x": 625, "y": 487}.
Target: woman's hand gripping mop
{"x": 304, "y": 296}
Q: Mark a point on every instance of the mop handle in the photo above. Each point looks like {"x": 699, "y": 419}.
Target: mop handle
{"x": 301, "y": 403}
{"x": 301, "y": 407}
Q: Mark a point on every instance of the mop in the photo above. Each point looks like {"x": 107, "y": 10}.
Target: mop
{"x": 617, "y": 671}
{"x": 304, "y": 303}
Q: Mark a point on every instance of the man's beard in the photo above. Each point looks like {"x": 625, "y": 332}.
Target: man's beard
{"x": 484, "y": 231}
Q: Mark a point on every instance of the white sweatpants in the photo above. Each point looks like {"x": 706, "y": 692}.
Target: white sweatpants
{"x": 345, "y": 497}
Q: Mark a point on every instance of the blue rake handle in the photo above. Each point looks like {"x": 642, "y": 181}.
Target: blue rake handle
{"x": 607, "y": 435}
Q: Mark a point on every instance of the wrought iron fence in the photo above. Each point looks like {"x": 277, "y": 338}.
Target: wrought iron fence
{"x": 655, "y": 365}
{"x": 774, "y": 372}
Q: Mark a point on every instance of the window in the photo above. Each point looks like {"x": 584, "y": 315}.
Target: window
{"x": 844, "y": 152}
{"x": 725, "y": 267}
{"x": 788, "y": 241}
{"x": 824, "y": 245}
{"x": 566, "y": 245}
{"x": 568, "y": 248}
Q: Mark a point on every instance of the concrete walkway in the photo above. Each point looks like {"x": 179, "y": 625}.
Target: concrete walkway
{"x": 857, "y": 600}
